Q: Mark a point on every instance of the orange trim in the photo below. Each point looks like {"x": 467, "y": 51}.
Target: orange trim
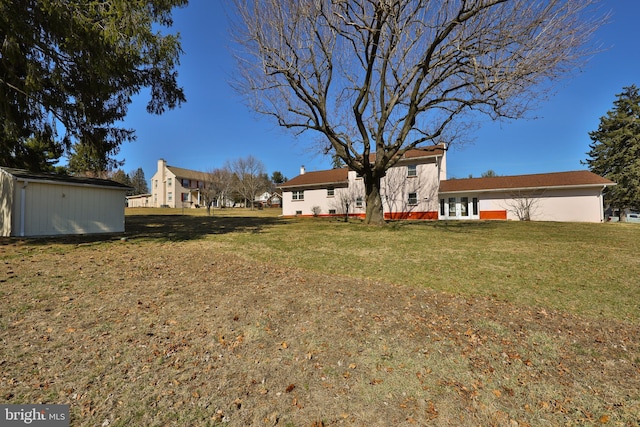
{"x": 410, "y": 215}
{"x": 493, "y": 214}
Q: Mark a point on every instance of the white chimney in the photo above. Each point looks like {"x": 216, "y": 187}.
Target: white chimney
{"x": 302, "y": 170}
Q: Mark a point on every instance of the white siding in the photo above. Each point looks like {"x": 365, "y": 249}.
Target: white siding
{"x": 58, "y": 209}
{"x": 6, "y": 203}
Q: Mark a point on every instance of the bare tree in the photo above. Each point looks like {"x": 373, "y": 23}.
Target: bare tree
{"x": 376, "y": 78}
{"x": 217, "y": 185}
{"x": 251, "y": 178}
{"x": 524, "y": 205}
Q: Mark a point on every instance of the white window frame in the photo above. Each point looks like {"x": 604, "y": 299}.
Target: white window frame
{"x": 297, "y": 195}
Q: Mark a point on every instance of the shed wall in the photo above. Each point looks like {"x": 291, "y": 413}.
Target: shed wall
{"x": 66, "y": 209}
{"x": 6, "y": 203}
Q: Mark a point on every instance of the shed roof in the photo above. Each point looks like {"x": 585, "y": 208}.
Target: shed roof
{"x": 63, "y": 179}
{"x": 534, "y": 181}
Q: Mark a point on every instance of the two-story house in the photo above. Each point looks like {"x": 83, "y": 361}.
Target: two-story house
{"x": 176, "y": 187}
{"x": 409, "y": 190}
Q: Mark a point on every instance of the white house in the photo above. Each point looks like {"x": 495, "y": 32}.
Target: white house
{"x": 173, "y": 187}
{"x": 416, "y": 188}
{"x": 409, "y": 190}
{"x": 41, "y": 204}
{"x": 139, "y": 201}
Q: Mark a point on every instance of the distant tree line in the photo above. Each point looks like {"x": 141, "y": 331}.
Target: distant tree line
{"x": 134, "y": 179}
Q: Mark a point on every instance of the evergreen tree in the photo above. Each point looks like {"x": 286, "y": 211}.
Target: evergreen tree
{"x": 615, "y": 150}
{"x": 72, "y": 66}
{"x": 138, "y": 182}
{"x": 278, "y": 178}
{"x": 121, "y": 177}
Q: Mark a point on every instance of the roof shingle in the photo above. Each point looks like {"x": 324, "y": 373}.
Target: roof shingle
{"x": 543, "y": 180}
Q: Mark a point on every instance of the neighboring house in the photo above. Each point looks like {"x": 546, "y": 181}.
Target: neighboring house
{"x": 173, "y": 187}
{"x": 40, "y": 204}
{"x": 416, "y": 188}
{"x": 139, "y": 201}
{"x": 270, "y": 199}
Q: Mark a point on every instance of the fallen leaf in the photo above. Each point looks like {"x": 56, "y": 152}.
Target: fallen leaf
{"x": 290, "y": 388}
{"x": 604, "y": 419}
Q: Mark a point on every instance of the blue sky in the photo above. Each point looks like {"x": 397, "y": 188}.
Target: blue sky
{"x": 214, "y": 125}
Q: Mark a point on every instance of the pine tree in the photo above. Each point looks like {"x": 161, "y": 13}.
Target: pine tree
{"x": 138, "y": 182}
{"x": 68, "y": 70}
{"x": 615, "y": 150}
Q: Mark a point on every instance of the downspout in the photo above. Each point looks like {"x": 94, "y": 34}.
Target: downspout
{"x": 23, "y": 204}
{"x": 602, "y": 218}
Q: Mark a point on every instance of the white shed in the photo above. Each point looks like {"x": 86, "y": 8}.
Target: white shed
{"x": 42, "y": 204}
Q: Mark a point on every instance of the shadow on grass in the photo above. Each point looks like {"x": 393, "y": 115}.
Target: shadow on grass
{"x": 452, "y": 226}
{"x": 180, "y": 228}
{"x": 160, "y": 227}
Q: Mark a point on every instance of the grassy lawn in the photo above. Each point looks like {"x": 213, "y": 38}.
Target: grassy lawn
{"x": 246, "y": 318}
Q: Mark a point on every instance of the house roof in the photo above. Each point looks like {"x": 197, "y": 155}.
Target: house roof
{"x": 339, "y": 176}
{"x": 521, "y": 182}
{"x": 434, "y": 150}
{"x": 187, "y": 173}
{"x": 331, "y": 176}
{"x": 25, "y": 175}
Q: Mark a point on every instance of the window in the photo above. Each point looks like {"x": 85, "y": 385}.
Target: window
{"x": 169, "y": 196}
{"x": 332, "y": 211}
{"x": 442, "y": 207}
{"x": 155, "y": 184}
{"x": 412, "y": 171}
{"x": 464, "y": 206}
{"x": 452, "y": 206}
{"x": 330, "y": 192}
{"x": 155, "y": 198}
{"x": 185, "y": 183}
{"x": 169, "y": 181}
{"x": 298, "y": 212}
{"x": 475, "y": 206}
{"x": 359, "y": 202}
{"x": 185, "y": 197}
{"x": 297, "y": 195}
{"x": 413, "y": 198}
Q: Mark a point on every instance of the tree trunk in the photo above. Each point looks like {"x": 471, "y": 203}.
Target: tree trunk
{"x": 374, "y": 212}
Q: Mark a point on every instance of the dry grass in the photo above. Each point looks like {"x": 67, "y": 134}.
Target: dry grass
{"x": 223, "y": 321}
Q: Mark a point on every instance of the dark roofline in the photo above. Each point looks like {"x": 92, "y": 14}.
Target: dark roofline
{"x": 555, "y": 180}
{"x": 25, "y": 175}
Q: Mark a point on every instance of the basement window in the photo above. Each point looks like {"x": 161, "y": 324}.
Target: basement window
{"x": 413, "y": 199}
